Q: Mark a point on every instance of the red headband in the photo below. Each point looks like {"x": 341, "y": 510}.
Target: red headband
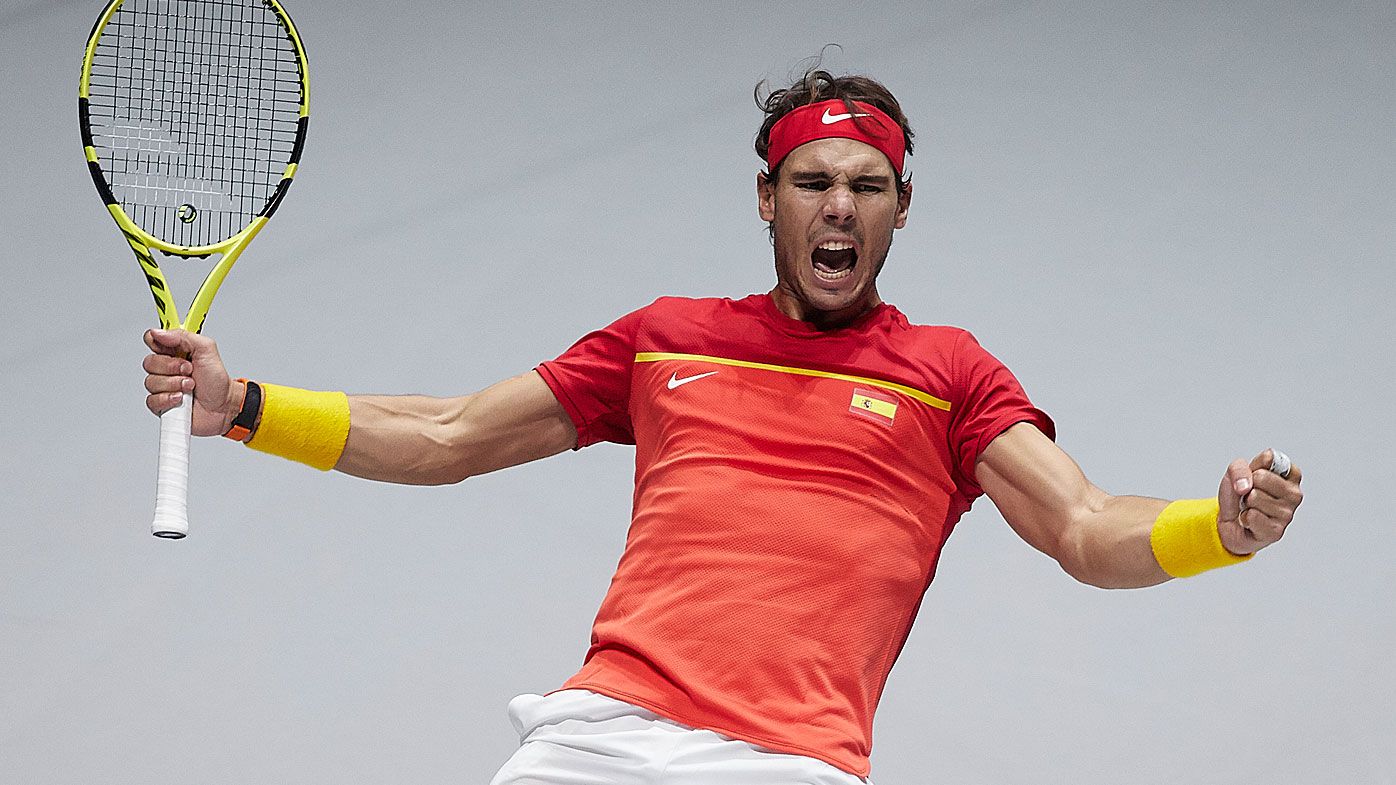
{"x": 827, "y": 119}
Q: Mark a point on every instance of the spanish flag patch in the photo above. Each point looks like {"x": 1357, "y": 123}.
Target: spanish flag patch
{"x": 874, "y": 405}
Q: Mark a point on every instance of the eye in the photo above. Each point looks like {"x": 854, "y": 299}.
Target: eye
{"x": 812, "y": 185}
{"x": 868, "y": 188}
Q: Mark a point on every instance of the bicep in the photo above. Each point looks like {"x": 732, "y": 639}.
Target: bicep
{"x": 1038, "y": 488}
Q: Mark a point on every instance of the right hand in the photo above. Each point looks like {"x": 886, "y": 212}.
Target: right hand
{"x": 184, "y": 363}
{"x": 1270, "y": 507}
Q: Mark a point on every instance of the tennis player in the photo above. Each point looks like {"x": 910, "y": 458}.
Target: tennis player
{"x": 801, "y": 457}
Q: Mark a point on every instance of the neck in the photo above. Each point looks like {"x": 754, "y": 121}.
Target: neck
{"x": 793, "y": 306}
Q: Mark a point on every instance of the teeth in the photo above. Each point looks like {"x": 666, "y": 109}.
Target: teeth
{"x": 835, "y": 245}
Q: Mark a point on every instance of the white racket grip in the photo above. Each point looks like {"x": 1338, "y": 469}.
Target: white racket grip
{"x": 172, "y": 476}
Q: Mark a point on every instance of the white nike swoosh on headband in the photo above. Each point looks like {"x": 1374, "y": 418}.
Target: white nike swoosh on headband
{"x": 830, "y": 119}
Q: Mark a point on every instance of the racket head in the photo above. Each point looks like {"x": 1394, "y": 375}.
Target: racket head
{"x": 193, "y": 116}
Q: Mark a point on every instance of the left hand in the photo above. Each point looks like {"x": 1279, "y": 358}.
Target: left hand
{"x": 1269, "y": 508}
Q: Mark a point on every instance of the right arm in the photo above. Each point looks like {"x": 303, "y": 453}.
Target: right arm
{"x": 409, "y": 439}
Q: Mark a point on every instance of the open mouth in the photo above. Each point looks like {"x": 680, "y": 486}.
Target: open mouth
{"x": 834, "y": 259}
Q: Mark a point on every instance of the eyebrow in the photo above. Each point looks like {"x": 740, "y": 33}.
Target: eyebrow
{"x": 819, "y": 174}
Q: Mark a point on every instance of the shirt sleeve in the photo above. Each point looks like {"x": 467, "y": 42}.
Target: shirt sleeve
{"x": 990, "y": 401}
{"x": 592, "y": 382}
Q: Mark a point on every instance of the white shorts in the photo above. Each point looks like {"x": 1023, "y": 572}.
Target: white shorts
{"x": 577, "y": 737}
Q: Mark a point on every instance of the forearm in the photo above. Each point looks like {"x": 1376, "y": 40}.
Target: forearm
{"x": 409, "y": 439}
{"x": 1097, "y": 538}
{"x": 1108, "y": 544}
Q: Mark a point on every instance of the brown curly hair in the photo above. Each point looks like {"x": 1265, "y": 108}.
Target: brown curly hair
{"x": 818, "y": 85}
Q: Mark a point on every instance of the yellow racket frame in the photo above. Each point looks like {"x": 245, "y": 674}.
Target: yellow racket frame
{"x": 142, "y": 242}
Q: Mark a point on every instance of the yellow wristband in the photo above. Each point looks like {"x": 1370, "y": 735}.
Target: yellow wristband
{"x": 1185, "y": 539}
{"x": 301, "y": 425}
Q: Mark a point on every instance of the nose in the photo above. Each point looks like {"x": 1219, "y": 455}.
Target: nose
{"x": 838, "y": 206}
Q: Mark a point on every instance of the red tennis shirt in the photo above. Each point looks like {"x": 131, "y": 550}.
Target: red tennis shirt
{"x": 793, "y": 489}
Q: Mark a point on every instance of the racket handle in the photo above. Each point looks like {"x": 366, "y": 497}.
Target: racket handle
{"x": 172, "y": 477}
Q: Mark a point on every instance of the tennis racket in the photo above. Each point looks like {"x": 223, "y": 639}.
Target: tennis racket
{"x": 193, "y": 116}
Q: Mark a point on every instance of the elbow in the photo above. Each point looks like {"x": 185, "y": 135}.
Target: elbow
{"x": 1092, "y": 566}
{"x": 1098, "y": 580}
{"x": 1071, "y": 554}
{"x": 1078, "y": 564}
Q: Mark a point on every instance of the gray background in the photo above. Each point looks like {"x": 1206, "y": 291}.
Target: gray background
{"x": 1173, "y": 220}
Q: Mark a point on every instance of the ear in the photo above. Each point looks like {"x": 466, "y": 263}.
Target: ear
{"x": 903, "y": 206}
{"x": 765, "y": 197}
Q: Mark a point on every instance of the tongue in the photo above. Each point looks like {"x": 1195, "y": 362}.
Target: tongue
{"x": 833, "y": 261}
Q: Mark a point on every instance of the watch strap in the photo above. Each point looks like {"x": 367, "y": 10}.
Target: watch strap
{"x": 246, "y": 418}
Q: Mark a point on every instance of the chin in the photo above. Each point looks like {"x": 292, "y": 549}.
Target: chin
{"x": 832, "y": 304}
{"x": 838, "y": 299}
{"x": 838, "y": 304}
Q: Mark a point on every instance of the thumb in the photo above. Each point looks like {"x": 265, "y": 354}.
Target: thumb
{"x": 170, "y": 342}
{"x": 182, "y": 343}
{"x": 1236, "y": 484}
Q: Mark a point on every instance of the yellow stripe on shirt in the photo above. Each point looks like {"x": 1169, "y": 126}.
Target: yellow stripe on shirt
{"x": 926, "y": 398}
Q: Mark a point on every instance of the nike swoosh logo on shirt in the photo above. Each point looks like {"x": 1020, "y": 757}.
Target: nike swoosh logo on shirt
{"x": 830, "y": 119}
{"x": 675, "y": 381}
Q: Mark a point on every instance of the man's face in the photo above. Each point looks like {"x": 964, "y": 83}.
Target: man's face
{"x": 832, "y": 210}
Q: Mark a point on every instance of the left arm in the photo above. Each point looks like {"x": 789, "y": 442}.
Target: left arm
{"x": 1103, "y": 540}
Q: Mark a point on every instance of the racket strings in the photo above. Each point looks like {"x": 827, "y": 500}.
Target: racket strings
{"x": 195, "y": 108}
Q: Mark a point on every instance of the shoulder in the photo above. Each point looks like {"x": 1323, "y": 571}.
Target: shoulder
{"x": 692, "y": 312}
{"x": 948, "y": 356}
{"x": 694, "y": 306}
{"x": 939, "y": 339}
{"x": 667, "y": 309}
{"x": 957, "y": 344}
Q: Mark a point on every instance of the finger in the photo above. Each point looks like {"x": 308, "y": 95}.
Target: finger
{"x": 1235, "y": 485}
{"x": 166, "y": 365}
{"x": 1277, "y": 507}
{"x": 1295, "y": 476}
{"x": 155, "y": 383}
{"x": 159, "y": 403}
{"x": 1284, "y": 489}
{"x": 1274, "y": 461}
{"x": 1271, "y": 460}
{"x": 1265, "y": 529}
